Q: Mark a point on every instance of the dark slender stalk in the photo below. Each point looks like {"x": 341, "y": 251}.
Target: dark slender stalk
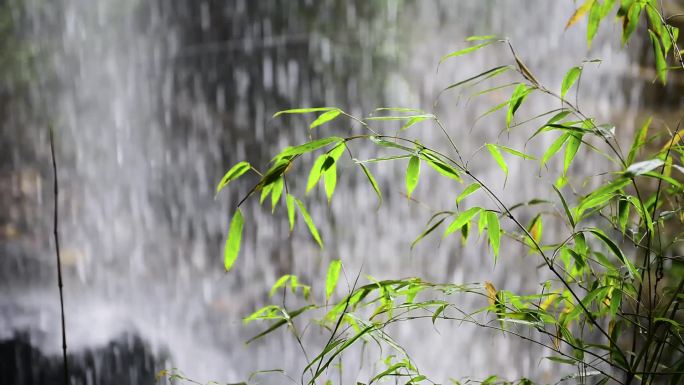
{"x": 59, "y": 258}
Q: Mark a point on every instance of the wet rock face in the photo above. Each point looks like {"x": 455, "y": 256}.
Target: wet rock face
{"x": 124, "y": 361}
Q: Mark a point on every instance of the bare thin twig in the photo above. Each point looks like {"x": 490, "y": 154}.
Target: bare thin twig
{"x": 59, "y": 258}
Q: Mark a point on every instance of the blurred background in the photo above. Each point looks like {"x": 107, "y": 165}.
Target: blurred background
{"x": 152, "y": 101}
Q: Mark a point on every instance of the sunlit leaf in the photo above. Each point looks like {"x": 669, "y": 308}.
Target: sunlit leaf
{"x": 325, "y": 118}
{"x": 516, "y": 100}
{"x": 465, "y": 51}
{"x": 303, "y": 110}
{"x": 615, "y": 249}
{"x": 372, "y": 181}
{"x": 309, "y": 146}
{"x": 496, "y": 154}
{"x": 554, "y": 148}
{"x": 279, "y": 283}
{"x": 639, "y": 140}
{"x": 232, "y": 247}
{"x": 232, "y": 174}
{"x": 570, "y": 79}
{"x": 462, "y": 219}
{"x": 571, "y": 147}
{"x": 481, "y": 37}
{"x": 289, "y": 201}
{"x": 467, "y": 191}
{"x": 309, "y": 222}
{"x": 332, "y": 277}
{"x": 316, "y": 172}
{"x": 330, "y": 181}
{"x": 494, "y": 232}
{"x": 412, "y": 174}
{"x": 535, "y": 228}
{"x": 276, "y": 193}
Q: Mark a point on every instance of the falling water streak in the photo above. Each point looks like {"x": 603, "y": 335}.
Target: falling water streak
{"x": 156, "y": 99}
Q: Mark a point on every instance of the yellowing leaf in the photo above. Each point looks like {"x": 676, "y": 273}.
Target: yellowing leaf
{"x": 491, "y": 293}
{"x": 579, "y": 13}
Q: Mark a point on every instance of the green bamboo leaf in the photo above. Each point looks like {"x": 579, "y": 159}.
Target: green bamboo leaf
{"x": 265, "y": 192}
{"x": 631, "y": 21}
{"x": 276, "y": 193}
{"x": 330, "y": 179}
{"x": 571, "y": 147}
{"x": 332, "y": 277}
{"x": 426, "y": 232}
{"x": 496, "y": 154}
{"x": 232, "y": 247}
{"x": 316, "y": 172}
{"x": 481, "y": 37}
{"x": 463, "y": 218}
{"x": 412, "y": 174}
{"x": 467, "y": 191}
{"x": 309, "y": 146}
{"x": 303, "y": 110}
{"x": 279, "y": 283}
{"x": 593, "y": 22}
{"x": 325, "y": 118}
{"x": 643, "y": 167}
{"x": 515, "y": 152}
{"x": 284, "y": 321}
{"x": 309, "y": 222}
{"x": 565, "y": 207}
{"x": 554, "y": 148}
{"x": 440, "y": 166}
{"x": 383, "y": 159}
{"x": 516, "y": 100}
{"x": 623, "y": 214}
{"x": 639, "y": 140}
{"x": 232, "y": 174}
{"x": 615, "y": 250}
{"x": 465, "y": 51}
{"x": 494, "y": 232}
{"x": 570, "y": 79}
{"x": 401, "y": 117}
{"x": 289, "y": 201}
{"x": 661, "y": 63}
{"x": 373, "y": 183}
{"x": 484, "y": 75}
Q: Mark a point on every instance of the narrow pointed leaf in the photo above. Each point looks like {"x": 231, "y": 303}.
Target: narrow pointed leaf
{"x": 660, "y": 62}
{"x": 570, "y": 79}
{"x": 516, "y": 100}
{"x": 309, "y": 146}
{"x": 325, "y": 118}
{"x": 465, "y": 51}
{"x": 309, "y": 222}
{"x": 232, "y": 174}
{"x": 276, "y": 193}
{"x": 461, "y": 220}
{"x": 412, "y": 175}
{"x": 303, "y": 110}
{"x": 565, "y": 207}
{"x": 494, "y": 232}
{"x": 330, "y": 179}
{"x": 571, "y": 147}
{"x": 579, "y": 13}
{"x": 289, "y": 201}
{"x": 315, "y": 174}
{"x": 554, "y": 148}
{"x": 467, "y": 191}
{"x": 496, "y": 154}
{"x": 232, "y": 247}
{"x": 332, "y": 277}
{"x": 372, "y": 181}
{"x": 639, "y": 140}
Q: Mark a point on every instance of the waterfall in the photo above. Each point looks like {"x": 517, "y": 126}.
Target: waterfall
{"x": 152, "y": 101}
